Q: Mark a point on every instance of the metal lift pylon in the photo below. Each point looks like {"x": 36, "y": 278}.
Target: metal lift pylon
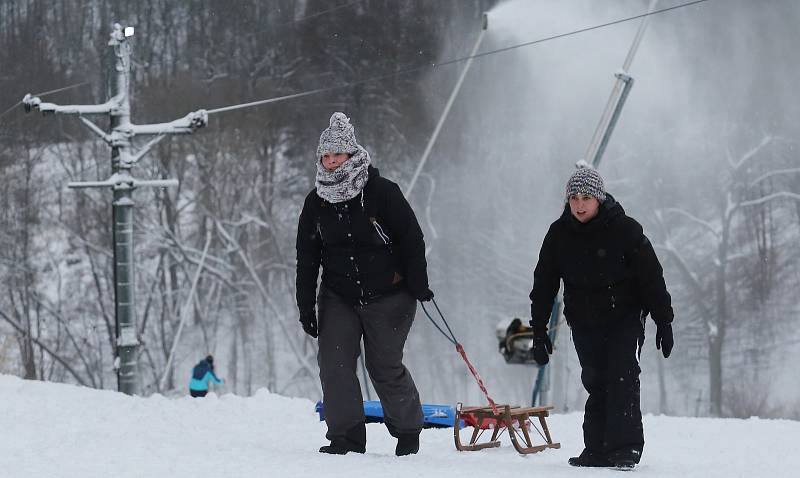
{"x": 122, "y": 184}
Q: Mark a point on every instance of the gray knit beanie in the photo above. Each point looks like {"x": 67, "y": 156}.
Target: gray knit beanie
{"x": 586, "y": 180}
{"x": 339, "y": 137}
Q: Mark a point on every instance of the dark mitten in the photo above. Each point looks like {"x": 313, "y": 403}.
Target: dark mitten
{"x": 542, "y": 348}
{"x": 664, "y": 340}
{"x": 425, "y": 296}
{"x": 308, "y": 319}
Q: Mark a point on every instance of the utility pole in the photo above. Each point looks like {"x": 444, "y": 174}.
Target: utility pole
{"x": 122, "y": 183}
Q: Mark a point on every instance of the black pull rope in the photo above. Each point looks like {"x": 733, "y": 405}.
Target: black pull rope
{"x": 449, "y": 335}
{"x": 443, "y": 319}
{"x": 460, "y": 349}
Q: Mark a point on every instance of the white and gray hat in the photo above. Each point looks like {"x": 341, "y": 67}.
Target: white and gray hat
{"x": 339, "y": 137}
{"x": 586, "y": 180}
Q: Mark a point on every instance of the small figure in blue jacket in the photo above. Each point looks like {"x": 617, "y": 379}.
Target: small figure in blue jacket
{"x": 202, "y": 374}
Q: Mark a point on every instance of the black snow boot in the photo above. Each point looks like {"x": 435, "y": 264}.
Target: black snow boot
{"x": 342, "y": 447}
{"x": 624, "y": 463}
{"x": 407, "y": 444}
{"x": 625, "y": 459}
{"x": 592, "y": 459}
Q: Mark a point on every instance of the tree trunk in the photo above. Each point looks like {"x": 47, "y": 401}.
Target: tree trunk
{"x": 28, "y": 357}
{"x": 233, "y": 364}
{"x": 715, "y": 374}
{"x": 716, "y": 337}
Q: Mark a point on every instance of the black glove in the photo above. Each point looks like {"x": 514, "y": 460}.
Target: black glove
{"x": 308, "y": 320}
{"x": 425, "y": 296}
{"x": 542, "y": 347}
{"x": 664, "y": 340}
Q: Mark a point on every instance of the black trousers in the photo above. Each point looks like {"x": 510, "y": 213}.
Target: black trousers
{"x": 609, "y": 357}
{"x": 198, "y": 393}
{"x": 384, "y": 324}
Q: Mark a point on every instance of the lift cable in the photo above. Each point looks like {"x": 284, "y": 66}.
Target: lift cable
{"x": 448, "y": 62}
{"x": 45, "y": 93}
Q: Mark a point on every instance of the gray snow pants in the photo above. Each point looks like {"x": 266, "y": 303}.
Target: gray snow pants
{"x": 384, "y": 325}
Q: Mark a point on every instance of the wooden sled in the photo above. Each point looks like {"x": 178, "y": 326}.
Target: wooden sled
{"x": 505, "y": 419}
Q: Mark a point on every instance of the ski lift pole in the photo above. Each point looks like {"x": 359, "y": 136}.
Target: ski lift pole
{"x": 627, "y": 83}
{"x": 616, "y": 101}
{"x": 122, "y": 183}
{"x": 448, "y": 105}
{"x": 542, "y": 382}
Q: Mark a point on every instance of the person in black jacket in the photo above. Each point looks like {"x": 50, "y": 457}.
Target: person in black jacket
{"x": 359, "y": 227}
{"x": 612, "y": 281}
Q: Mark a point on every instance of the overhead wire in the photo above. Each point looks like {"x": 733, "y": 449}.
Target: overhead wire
{"x": 10, "y": 108}
{"x": 449, "y": 62}
{"x": 298, "y": 20}
{"x": 313, "y": 15}
{"x": 44, "y": 93}
{"x": 420, "y": 67}
{"x": 58, "y": 90}
{"x": 581, "y": 30}
{"x": 292, "y": 23}
{"x": 416, "y": 68}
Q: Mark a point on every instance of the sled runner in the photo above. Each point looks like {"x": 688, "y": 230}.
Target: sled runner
{"x": 515, "y": 420}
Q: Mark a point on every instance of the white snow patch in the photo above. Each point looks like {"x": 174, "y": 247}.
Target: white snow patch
{"x": 67, "y": 431}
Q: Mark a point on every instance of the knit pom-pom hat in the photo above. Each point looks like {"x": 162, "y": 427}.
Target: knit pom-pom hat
{"x": 586, "y": 180}
{"x": 339, "y": 137}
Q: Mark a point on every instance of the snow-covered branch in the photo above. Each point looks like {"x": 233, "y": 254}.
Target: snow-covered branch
{"x": 691, "y": 278}
{"x": 290, "y": 339}
{"x": 774, "y": 173}
{"x": 705, "y": 224}
{"x": 750, "y": 154}
{"x": 185, "y": 313}
{"x": 42, "y": 302}
{"x": 45, "y": 348}
{"x": 770, "y": 197}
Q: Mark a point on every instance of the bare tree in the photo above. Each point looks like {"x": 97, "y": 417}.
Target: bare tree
{"x": 713, "y": 269}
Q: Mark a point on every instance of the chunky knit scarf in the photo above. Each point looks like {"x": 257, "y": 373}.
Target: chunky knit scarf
{"x": 347, "y": 181}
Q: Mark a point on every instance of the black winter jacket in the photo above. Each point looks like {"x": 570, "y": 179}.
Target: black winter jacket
{"x": 367, "y": 248}
{"x": 609, "y": 268}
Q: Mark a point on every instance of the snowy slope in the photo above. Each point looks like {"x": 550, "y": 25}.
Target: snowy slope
{"x": 55, "y": 430}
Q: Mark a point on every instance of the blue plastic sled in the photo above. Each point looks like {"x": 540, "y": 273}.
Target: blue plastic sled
{"x": 434, "y": 416}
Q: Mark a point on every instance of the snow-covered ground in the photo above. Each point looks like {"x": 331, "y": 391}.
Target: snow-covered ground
{"x": 55, "y": 430}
